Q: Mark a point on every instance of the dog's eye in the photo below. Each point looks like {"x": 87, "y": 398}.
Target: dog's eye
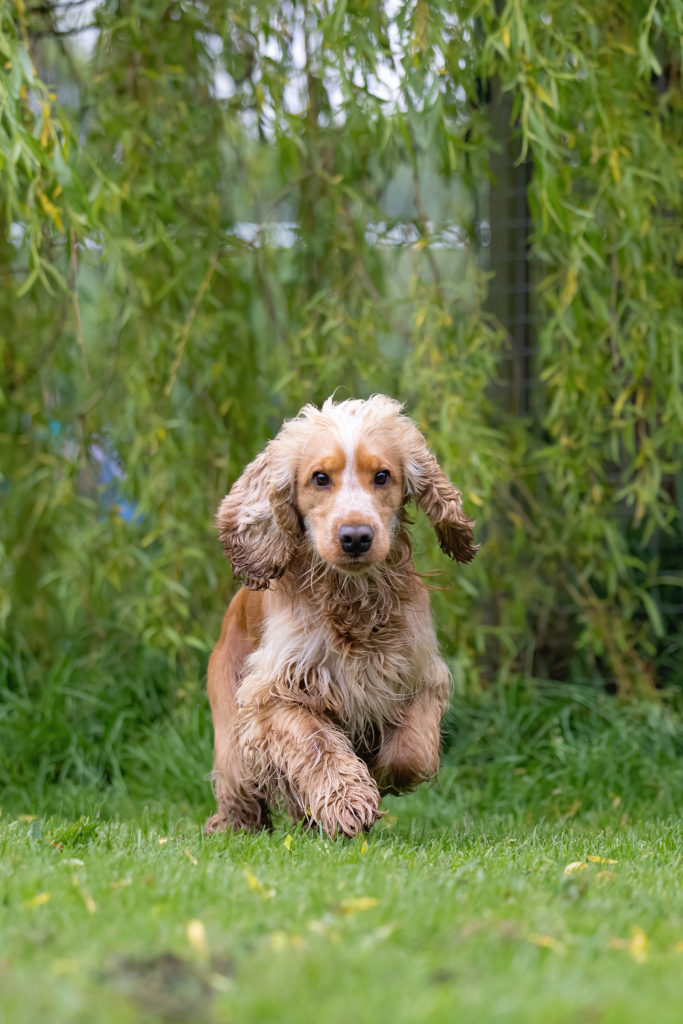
{"x": 382, "y": 477}
{"x": 321, "y": 479}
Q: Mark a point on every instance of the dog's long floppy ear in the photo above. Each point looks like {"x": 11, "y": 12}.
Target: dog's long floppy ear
{"x": 257, "y": 522}
{"x": 426, "y": 482}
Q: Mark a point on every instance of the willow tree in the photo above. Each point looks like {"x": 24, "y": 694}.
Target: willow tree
{"x": 213, "y": 213}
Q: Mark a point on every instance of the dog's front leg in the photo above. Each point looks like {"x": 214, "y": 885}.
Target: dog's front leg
{"x": 290, "y": 748}
{"x": 409, "y": 752}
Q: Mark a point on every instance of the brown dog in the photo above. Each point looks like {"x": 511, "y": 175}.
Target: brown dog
{"x": 326, "y": 686}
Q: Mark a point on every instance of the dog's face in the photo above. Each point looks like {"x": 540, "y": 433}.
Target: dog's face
{"x": 334, "y": 481}
{"x": 349, "y": 490}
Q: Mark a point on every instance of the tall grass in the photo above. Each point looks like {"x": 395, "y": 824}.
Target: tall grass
{"x": 98, "y": 730}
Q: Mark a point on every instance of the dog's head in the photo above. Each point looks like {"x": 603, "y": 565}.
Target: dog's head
{"x": 334, "y": 481}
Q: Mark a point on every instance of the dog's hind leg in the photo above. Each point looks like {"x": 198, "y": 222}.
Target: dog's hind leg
{"x": 241, "y": 805}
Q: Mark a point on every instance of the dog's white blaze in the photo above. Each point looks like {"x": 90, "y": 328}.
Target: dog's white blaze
{"x": 354, "y": 503}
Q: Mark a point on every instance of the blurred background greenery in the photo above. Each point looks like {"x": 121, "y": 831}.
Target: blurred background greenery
{"x": 215, "y": 212}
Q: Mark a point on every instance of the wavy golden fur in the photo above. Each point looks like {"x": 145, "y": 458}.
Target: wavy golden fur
{"x": 326, "y": 687}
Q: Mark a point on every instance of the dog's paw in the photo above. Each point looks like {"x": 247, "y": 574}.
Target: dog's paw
{"x": 250, "y": 818}
{"x": 350, "y": 811}
{"x": 215, "y": 824}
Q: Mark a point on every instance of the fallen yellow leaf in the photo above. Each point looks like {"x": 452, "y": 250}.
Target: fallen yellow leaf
{"x": 287, "y": 842}
{"x": 196, "y": 936}
{"x": 364, "y": 848}
{"x": 547, "y": 941}
{"x": 355, "y": 903}
{"x": 637, "y": 946}
{"x": 601, "y": 860}
{"x": 576, "y": 865}
{"x": 253, "y": 883}
{"x": 40, "y": 899}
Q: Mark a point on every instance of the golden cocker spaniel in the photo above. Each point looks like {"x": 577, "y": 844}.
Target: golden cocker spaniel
{"x": 327, "y": 687}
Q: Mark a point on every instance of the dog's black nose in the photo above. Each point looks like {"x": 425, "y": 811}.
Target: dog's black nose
{"x": 356, "y": 540}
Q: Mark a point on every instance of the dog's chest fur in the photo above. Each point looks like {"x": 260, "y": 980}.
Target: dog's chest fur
{"x": 366, "y": 682}
{"x": 352, "y": 657}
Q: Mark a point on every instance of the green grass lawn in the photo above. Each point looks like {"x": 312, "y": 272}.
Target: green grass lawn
{"x": 541, "y": 880}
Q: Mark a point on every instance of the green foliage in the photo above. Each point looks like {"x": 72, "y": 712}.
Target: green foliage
{"x": 220, "y": 212}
